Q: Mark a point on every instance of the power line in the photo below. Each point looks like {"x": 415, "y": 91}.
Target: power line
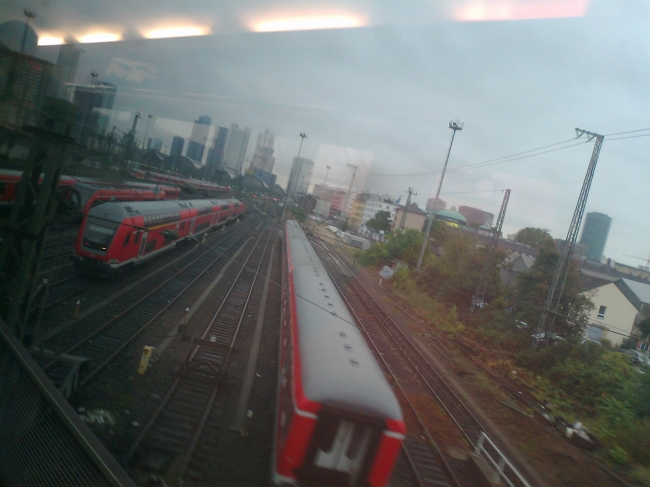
{"x": 629, "y": 137}
{"x": 427, "y": 173}
{"x": 628, "y": 132}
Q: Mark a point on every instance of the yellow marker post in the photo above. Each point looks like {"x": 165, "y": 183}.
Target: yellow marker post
{"x": 203, "y": 241}
{"x": 76, "y": 310}
{"x": 144, "y": 361}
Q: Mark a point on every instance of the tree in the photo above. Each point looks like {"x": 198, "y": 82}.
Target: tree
{"x": 533, "y": 286}
{"x": 381, "y": 221}
{"x": 644, "y": 328}
{"x": 535, "y": 237}
{"x": 404, "y": 246}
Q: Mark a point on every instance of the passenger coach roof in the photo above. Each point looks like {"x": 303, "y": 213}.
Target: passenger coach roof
{"x": 141, "y": 208}
{"x": 338, "y": 368}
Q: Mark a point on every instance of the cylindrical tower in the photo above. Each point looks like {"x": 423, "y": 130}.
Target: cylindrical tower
{"x": 594, "y": 234}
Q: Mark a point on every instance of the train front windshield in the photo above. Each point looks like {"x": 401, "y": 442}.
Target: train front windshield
{"x": 98, "y": 235}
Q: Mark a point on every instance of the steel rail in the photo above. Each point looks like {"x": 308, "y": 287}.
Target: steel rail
{"x": 208, "y": 387}
{"x": 177, "y": 294}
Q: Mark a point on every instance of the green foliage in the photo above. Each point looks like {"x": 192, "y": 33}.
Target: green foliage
{"x": 586, "y": 372}
{"x": 618, "y": 455}
{"x": 404, "y": 246}
{"x": 532, "y": 288}
{"x": 644, "y": 328}
{"x": 535, "y": 237}
{"x": 381, "y": 221}
{"x": 455, "y": 273}
{"x": 299, "y": 214}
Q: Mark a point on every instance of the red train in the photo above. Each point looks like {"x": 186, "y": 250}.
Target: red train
{"x": 338, "y": 421}
{"x": 84, "y": 193}
{"x": 167, "y": 178}
{"x": 118, "y": 235}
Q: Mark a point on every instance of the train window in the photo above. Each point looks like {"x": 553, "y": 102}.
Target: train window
{"x": 126, "y": 240}
{"x": 136, "y": 239}
{"x": 3, "y": 188}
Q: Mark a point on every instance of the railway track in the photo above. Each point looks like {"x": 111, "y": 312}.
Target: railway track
{"x": 436, "y": 385}
{"x": 173, "y": 436}
{"x": 111, "y": 337}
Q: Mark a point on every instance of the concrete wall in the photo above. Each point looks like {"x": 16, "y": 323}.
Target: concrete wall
{"x": 619, "y": 315}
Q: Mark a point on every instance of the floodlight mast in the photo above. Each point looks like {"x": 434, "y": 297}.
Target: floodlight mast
{"x": 453, "y": 125}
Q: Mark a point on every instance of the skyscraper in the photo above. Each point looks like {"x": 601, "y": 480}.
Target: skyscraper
{"x": 263, "y": 159}
{"x": 300, "y": 176}
{"x": 235, "y": 150}
{"x": 177, "y": 146}
{"x": 594, "y": 234}
{"x": 94, "y": 104}
{"x": 216, "y": 152}
{"x": 199, "y": 137}
{"x": 64, "y": 71}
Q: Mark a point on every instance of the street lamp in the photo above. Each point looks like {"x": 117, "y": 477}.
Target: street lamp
{"x": 303, "y": 136}
{"x": 453, "y": 125}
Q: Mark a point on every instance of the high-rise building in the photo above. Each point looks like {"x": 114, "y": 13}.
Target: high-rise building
{"x": 216, "y": 152}
{"x": 199, "y": 138}
{"x": 235, "y": 150}
{"x": 177, "y": 146}
{"x": 154, "y": 144}
{"x": 476, "y": 216}
{"x": 94, "y": 104}
{"x": 594, "y": 234}
{"x": 263, "y": 159}
{"x": 64, "y": 71}
{"x": 432, "y": 207}
{"x": 300, "y": 176}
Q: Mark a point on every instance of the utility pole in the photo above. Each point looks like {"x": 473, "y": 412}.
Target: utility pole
{"x": 129, "y": 144}
{"x": 326, "y": 174}
{"x": 303, "y": 136}
{"x": 354, "y": 173}
{"x": 479, "y": 296}
{"x": 144, "y": 140}
{"x": 453, "y": 125}
{"x": 402, "y": 222}
{"x": 547, "y": 320}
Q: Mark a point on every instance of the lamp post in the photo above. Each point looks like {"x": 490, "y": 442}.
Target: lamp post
{"x": 303, "y": 136}
{"x": 453, "y": 125}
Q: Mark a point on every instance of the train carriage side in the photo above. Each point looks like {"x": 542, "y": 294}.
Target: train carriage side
{"x": 115, "y": 235}
{"x": 338, "y": 421}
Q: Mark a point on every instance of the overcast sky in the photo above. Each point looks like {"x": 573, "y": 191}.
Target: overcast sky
{"x": 381, "y": 96}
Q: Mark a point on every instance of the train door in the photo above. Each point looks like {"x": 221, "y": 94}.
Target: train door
{"x": 142, "y": 244}
{"x": 192, "y": 226}
{"x": 341, "y": 451}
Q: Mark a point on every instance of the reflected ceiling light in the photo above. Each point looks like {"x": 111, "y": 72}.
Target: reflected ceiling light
{"x": 489, "y": 10}
{"x": 308, "y": 23}
{"x": 50, "y": 41}
{"x": 100, "y": 37}
{"x": 184, "y": 31}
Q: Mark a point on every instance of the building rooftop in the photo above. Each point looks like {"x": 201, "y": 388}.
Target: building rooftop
{"x": 637, "y": 292}
{"x": 451, "y": 214}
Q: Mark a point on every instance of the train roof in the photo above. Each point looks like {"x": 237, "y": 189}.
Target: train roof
{"x": 337, "y": 367}
{"x": 118, "y": 211}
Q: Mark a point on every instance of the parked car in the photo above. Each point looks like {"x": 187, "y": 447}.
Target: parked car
{"x": 636, "y": 357}
{"x": 589, "y": 340}
{"x": 521, "y": 324}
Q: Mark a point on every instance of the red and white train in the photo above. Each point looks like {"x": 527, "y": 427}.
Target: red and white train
{"x": 338, "y": 421}
{"x": 84, "y": 193}
{"x": 198, "y": 184}
{"x": 118, "y": 235}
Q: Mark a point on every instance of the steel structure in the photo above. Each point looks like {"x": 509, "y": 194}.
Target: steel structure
{"x": 547, "y": 320}
{"x": 453, "y": 125}
{"x": 479, "y": 296}
{"x": 402, "y": 222}
{"x": 23, "y": 233}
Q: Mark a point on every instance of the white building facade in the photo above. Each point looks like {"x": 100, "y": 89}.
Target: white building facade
{"x": 300, "y": 176}
{"x": 235, "y": 150}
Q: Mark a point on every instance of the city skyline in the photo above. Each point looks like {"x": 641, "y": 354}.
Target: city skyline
{"x": 386, "y": 105}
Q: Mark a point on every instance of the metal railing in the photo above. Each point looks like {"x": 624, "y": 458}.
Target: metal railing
{"x": 499, "y": 464}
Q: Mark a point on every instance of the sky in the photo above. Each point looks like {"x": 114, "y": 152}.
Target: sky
{"x": 380, "y": 93}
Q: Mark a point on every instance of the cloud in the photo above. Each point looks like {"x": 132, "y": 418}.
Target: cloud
{"x": 129, "y": 70}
